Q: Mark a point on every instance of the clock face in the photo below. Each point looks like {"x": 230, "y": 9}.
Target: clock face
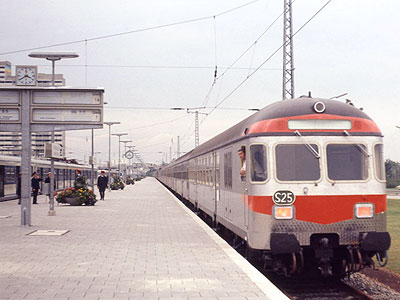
{"x": 26, "y": 75}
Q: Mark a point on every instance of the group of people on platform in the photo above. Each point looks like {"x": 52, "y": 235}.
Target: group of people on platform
{"x": 102, "y": 184}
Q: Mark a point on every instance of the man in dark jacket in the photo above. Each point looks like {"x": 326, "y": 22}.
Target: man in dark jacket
{"x": 19, "y": 187}
{"x": 35, "y": 182}
{"x": 102, "y": 182}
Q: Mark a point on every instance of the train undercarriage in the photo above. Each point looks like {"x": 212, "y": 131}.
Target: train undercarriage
{"x": 324, "y": 255}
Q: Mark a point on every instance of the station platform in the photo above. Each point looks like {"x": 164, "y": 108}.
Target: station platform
{"x": 140, "y": 243}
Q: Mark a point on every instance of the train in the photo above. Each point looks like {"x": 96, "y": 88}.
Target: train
{"x": 313, "y": 196}
{"x": 64, "y": 174}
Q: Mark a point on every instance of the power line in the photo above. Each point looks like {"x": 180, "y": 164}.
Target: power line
{"x": 158, "y": 67}
{"x": 131, "y": 31}
{"x": 216, "y": 78}
{"x": 160, "y": 123}
{"x": 253, "y": 44}
{"x": 265, "y": 61}
{"x": 169, "y": 108}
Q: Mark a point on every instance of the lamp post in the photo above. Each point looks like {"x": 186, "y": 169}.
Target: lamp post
{"x": 119, "y": 149}
{"x": 109, "y": 151}
{"x": 125, "y": 142}
{"x": 130, "y": 149}
{"x": 53, "y": 57}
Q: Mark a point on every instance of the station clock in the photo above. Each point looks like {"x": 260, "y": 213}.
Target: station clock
{"x": 26, "y": 75}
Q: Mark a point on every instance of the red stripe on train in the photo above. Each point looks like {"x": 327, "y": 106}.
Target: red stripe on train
{"x": 281, "y": 124}
{"x": 321, "y": 209}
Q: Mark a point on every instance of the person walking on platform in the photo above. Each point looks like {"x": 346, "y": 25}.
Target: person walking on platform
{"x": 19, "y": 187}
{"x": 102, "y": 183}
{"x": 35, "y": 186}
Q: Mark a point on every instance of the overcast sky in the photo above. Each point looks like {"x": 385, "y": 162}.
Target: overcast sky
{"x": 351, "y": 46}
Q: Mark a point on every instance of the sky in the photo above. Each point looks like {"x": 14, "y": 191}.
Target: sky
{"x": 147, "y": 68}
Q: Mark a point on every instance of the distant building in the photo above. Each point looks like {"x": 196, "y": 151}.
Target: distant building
{"x": 43, "y": 79}
{"x": 10, "y": 142}
{"x": 5, "y": 73}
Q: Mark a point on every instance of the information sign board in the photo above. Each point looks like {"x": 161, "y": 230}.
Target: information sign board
{"x": 9, "y": 115}
{"x": 66, "y": 115}
{"x": 67, "y": 97}
{"x": 9, "y": 97}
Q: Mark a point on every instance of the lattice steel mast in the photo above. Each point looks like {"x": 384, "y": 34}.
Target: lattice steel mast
{"x": 288, "y": 64}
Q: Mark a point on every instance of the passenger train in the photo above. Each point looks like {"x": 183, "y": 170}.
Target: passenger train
{"x": 314, "y": 193}
{"x": 10, "y": 167}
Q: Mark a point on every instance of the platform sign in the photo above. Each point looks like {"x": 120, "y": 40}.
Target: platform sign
{"x": 67, "y": 115}
{"x": 9, "y": 97}
{"x": 63, "y": 107}
{"x": 10, "y": 115}
{"x": 30, "y": 109}
{"x": 67, "y": 97}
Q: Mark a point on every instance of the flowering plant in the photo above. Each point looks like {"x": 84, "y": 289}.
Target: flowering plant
{"x": 81, "y": 196}
{"x": 117, "y": 184}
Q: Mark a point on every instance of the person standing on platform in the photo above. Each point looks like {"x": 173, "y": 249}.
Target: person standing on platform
{"x": 102, "y": 183}
{"x": 47, "y": 181}
{"x": 35, "y": 186}
{"x": 19, "y": 187}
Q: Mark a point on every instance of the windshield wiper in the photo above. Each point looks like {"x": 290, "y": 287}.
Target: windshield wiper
{"x": 361, "y": 147}
{"x": 309, "y": 147}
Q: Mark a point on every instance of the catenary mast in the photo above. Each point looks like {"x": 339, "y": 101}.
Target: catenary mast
{"x": 288, "y": 64}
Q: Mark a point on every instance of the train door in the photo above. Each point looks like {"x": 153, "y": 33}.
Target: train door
{"x": 227, "y": 195}
{"x": 216, "y": 184}
{"x": 187, "y": 174}
{"x": 243, "y": 183}
{"x": 196, "y": 182}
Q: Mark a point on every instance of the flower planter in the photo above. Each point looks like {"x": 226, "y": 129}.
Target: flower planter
{"x": 75, "y": 201}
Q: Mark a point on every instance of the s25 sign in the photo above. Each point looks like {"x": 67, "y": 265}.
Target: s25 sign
{"x": 283, "y": 198}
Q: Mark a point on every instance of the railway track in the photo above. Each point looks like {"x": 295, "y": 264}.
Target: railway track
{"x": 317, "y": 288}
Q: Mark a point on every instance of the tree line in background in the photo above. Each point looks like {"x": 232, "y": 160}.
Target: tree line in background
{"x": 392, "y": 169}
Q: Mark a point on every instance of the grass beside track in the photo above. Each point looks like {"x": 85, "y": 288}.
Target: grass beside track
{"x": 393, "y": 227}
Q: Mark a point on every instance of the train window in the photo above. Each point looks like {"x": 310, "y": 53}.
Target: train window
{"x": 347, "y": 162}
{"x": 379, "y": 162}
{"x": 228, "y": 170}
{"x": 258, "y": 162}
{"x": 295, "y": 162}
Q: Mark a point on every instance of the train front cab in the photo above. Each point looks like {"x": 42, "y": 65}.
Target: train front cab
{"x": 319, "y": 201}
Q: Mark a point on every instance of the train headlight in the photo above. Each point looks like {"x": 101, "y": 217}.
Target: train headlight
{"x": 364, "y": 210}
{"x": 283, "y": 212}
{"x": 319, "y": 107}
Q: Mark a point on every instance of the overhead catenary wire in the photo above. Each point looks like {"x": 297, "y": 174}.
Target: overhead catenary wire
{"x": 169, "y": 108}
{"x": 251, "y": 46}
{"x": 161, "y": 123}
{"x": 130, "y": 31}
{"x": 264, "y": 62}
{"x": 259, "y": 67}
{"x": 230, "y": 67}
{"x": 158, "y": 67}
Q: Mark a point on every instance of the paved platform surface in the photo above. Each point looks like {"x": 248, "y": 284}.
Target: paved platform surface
{"x": 140, "y": 243}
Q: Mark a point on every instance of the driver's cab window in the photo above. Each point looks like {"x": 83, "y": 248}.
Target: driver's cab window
{"x": 258, "y": 163}
{"x": 242, "y": 157}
